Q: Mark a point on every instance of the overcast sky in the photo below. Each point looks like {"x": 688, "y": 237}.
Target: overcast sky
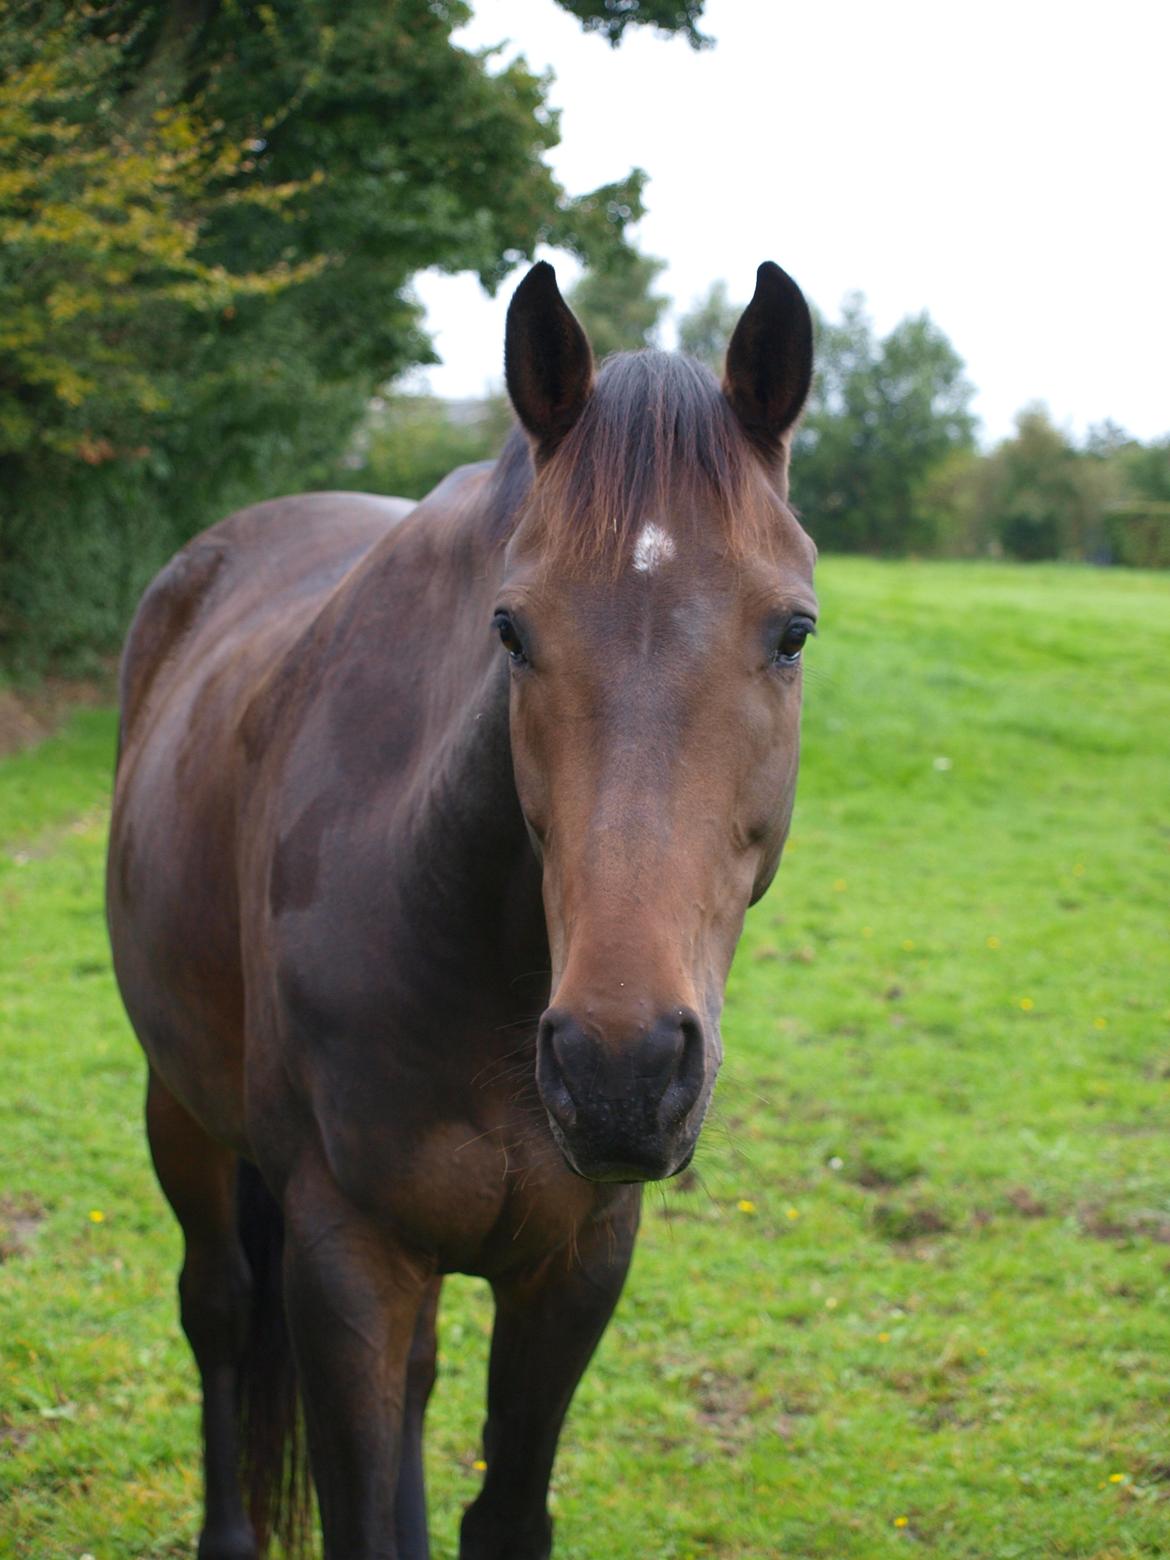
{"x": 1002, "y": 165}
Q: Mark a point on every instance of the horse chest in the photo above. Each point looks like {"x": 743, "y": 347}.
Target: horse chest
{"x": 473, "y": 1200}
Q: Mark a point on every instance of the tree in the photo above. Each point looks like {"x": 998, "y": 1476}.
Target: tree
{"x": 1137, "y": 520}
{"x": 615, "y": 303}
{"x": 882, "y": 417}
{"x": 706, "y": 327}
{"x": 211, "y": 212}
{"x": 1146, "y": 469}
{"x": 1041, "y": 498}
{"x": 612, "y": 17}
{"x": 408, "y": 442}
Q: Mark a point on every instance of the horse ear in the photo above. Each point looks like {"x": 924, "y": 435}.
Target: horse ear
{"x": 770, "y": 360}
{"x": 548, "y": 363}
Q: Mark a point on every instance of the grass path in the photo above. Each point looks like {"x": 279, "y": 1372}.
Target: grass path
{"x": 917, "y": 1301}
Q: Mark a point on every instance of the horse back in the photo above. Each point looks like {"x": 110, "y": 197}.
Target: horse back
{"x": 208, "y": 631}
{"x": 262, "y": 563}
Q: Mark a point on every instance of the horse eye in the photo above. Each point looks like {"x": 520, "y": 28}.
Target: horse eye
{"x": 509, "y": 638}
{"x": 793, "y": 640}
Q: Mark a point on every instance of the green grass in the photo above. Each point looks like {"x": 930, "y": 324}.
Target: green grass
{"x": 917, "y": 1299}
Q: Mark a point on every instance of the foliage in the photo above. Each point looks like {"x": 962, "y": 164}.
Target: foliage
{"x": 409, "y": 443}
{"x": 952, "y": 499}
{"x": 1147, "y": 470}
{"x": 100, "y": 241}
{"x": 1138, "y": 533}
{"x": 1138, "y": 523}
{"x": 706, "y": 327}
{"x": 1036, "y": 493}
{"x": 616, "y": 304}
{"x": 882, "y": 416}
{"x": 210, "y": 216}
{"x": 612, "y": 17}
{"x": 919, "y": 1276}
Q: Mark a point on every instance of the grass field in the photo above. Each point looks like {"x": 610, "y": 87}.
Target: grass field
{"x": 917, "y": 1299}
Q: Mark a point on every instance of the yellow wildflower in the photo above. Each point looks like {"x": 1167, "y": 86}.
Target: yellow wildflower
{"x": 745, "y": 1205}
{"x": 96, "y": 1216}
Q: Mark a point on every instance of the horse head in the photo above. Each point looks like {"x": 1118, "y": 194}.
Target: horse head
{"x": 656, "y": 596}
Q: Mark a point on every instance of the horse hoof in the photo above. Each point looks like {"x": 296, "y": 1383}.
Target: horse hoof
{"x": 234, "y": 1543}
{"x": 495, "y": 1540}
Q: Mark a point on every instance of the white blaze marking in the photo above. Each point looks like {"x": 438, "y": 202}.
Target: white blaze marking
{"x": 654, "y": 546}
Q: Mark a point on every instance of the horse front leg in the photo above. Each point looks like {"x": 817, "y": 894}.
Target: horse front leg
{"x": 353, "y": 1296}
{"x": 411, "y": 1500}
{"x": 548, "y": 1323}
{"x": 199, "y": 1177}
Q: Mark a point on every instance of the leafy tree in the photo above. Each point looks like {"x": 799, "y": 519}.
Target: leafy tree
{"x": 1137, "y": 520}
{"x": 612, "y": 17}
{"x": 1037, "y": 495}
{"x": 1107, "y": 439}
{"x": 882, "y": 416}
{"x": 952, "y": 500}
{"x": 1040, "y": 496}
{"x": 706, "y": 327}
{"x": 617, "y": 305}
{"x": 1146, "y": 470}
{"x": 210, "y": 213}
{"x": 409, "y": 443}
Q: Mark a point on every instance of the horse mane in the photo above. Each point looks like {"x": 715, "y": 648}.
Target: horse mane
{"x": 657, "y": 440}
{"x": 510, "y": 485}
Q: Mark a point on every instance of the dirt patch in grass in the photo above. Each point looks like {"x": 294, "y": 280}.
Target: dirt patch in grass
{"x": 1026, "y": 1204}
{"x": 1153, "y": 1471}
{"x": 881, "y": 1166}
{"x": 21, "y": 1216}
{"x": 724, "y": 1404}
{"x": 907, "y": 1222}
{"x": 1147, "y": 1224}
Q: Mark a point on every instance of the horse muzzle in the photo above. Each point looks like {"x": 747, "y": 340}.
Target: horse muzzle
{"x": 625, "y": 1107}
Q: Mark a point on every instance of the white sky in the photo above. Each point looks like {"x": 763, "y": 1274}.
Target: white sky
{"x": 1005, "y": 166}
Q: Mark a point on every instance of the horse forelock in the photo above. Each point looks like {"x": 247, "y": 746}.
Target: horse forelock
{"x": 657, "y": 442}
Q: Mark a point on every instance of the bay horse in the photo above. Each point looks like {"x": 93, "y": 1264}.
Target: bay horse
{"x": 433, "y": 832}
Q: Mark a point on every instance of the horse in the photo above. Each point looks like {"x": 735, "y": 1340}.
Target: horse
{"x": 433, "y": 833}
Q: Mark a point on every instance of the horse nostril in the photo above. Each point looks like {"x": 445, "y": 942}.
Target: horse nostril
{"x": 685, "y": 1084}
{"x": 554, "y": 1048}
{"x": 663, "y": 1049}
{"x": 692, "y": 1039}
{"x": 568, "y": 1042}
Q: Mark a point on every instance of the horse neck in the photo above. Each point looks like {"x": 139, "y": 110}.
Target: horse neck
{"x": 463, "y": 862}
